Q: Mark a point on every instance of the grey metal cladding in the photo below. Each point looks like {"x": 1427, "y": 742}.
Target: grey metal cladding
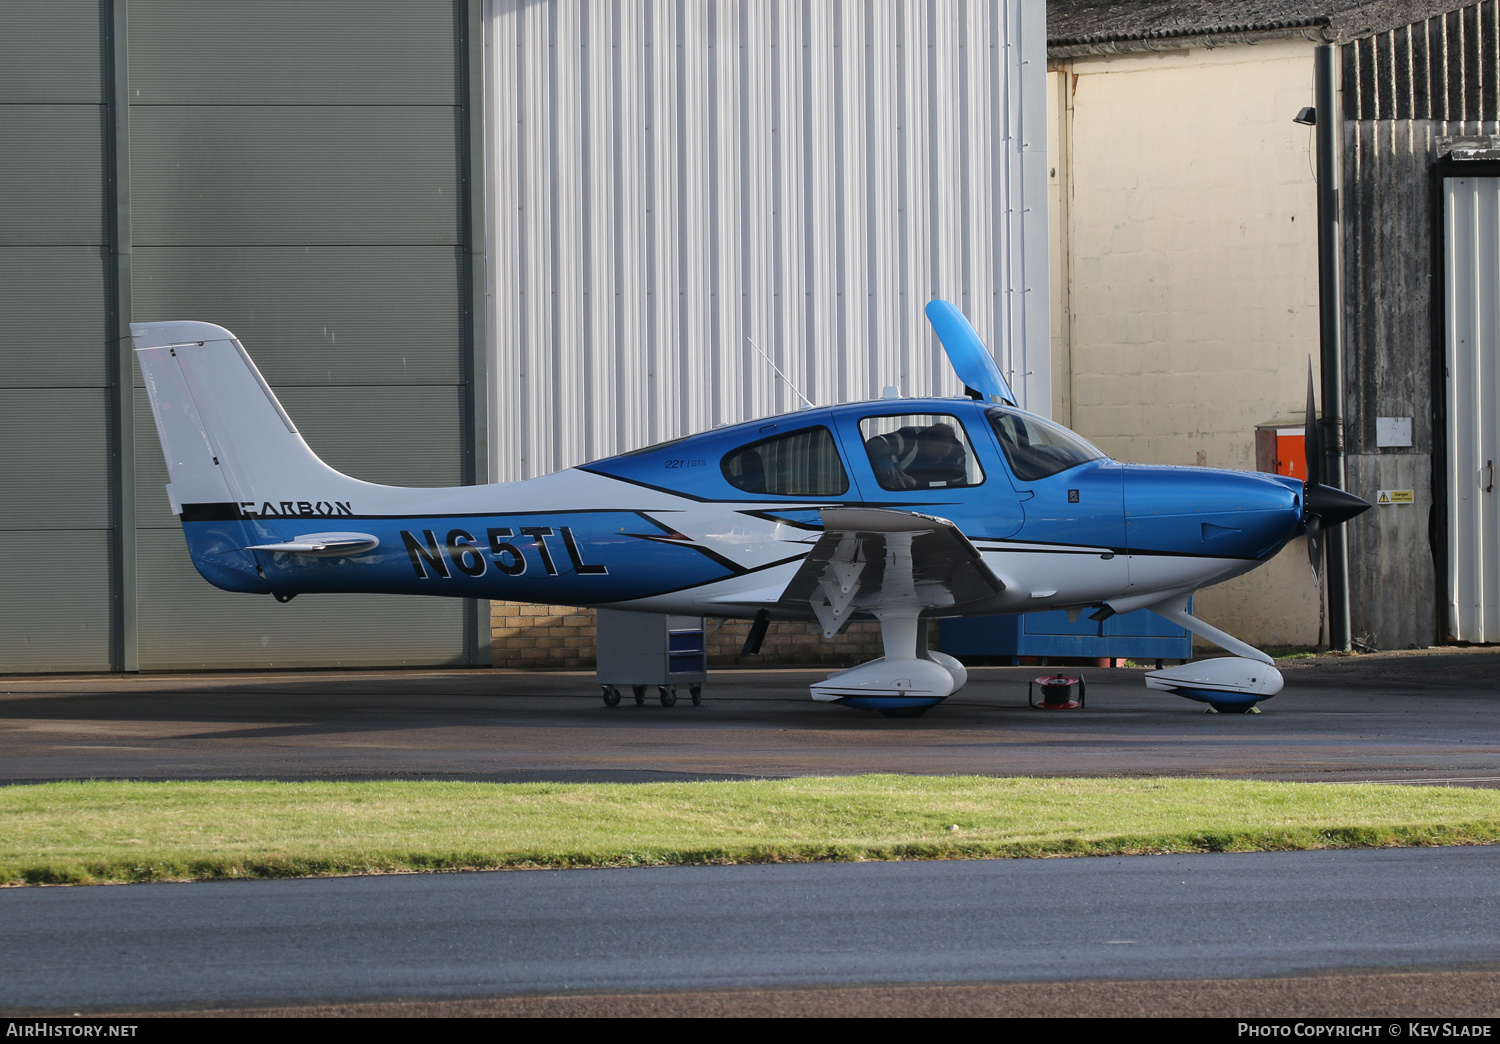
{"x": 51, "y": 175}
{"x": 259, "y": 52}
{"x": 49, "y": 52}
{"x": 317, "y": 314}
{"x": 55, "y": 468}
{"x": 249, "y": 175}
{"x": 55, "y": 615}
{"x": 1382, "y": 558}
{"x": 1442, "y": 68}
{"x": 54, "y": 330}
{"x": 669, "y": 180}
{"x": 405, "y": 436}
{"x": 1387, "y": 285}
{"x": 152, "y": 508}
{"x": 185, "y": 623}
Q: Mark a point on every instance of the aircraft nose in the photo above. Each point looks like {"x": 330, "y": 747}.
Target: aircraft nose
{"x": 1226, "y": 514}
{"x": 1327, "y": 506}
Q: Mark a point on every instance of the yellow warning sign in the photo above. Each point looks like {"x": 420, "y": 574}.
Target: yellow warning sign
{"x": 1395, "y": 496}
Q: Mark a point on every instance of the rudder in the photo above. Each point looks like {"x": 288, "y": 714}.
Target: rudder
{"x": 231, "y": 450}
{"x": 226, "y": 439}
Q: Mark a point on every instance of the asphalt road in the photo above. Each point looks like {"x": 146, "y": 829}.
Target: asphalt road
{"x": 1420, "y": 715}
{"x": 451, "y": 936}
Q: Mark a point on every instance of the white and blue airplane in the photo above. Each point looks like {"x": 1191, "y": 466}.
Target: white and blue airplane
{"x": 898, "y": 510}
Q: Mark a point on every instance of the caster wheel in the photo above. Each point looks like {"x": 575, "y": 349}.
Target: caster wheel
{"x": 639, "y": 691}
{"x": 611, "y": 696}
{"x": 668, "y": 695}
{"x": 696, "y": 692}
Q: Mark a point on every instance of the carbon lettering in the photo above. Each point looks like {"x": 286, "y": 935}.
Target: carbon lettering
{"x": 578, "y": 565}
{"x": 539, "y": 534}
{"x": 517, "y": 565}
{"x": 464, "y": 555}
{"x": 417, "y": 553}
{"x": 302, "y": 508}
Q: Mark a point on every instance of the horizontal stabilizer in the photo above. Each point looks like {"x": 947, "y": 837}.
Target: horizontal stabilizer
{"x": 322, "y": 545}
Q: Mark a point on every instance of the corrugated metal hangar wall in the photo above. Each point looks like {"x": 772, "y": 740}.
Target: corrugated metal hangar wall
{"x": 670, "y": 180}
{"x": 297, "y": 172}
{"x": 666, "y": 179}
{"x": 1409, "y": 95}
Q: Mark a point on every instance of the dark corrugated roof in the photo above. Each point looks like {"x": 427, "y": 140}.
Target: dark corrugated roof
{"x": 1074, "y": 22}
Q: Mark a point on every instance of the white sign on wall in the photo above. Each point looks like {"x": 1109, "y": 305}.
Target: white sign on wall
{"x": 1392, "y": 432}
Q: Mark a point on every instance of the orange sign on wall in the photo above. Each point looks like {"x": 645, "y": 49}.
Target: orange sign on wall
{"x": 1291, "y": 454}
{"x": 1281, "y": 451}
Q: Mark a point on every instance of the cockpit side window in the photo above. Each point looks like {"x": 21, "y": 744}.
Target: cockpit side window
{"x": 798, "y": 464}
{"x": 1037, "y": 448}
{"x": 919, "y": 451}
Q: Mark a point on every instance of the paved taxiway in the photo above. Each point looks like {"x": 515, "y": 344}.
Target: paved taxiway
{"x": 686, "y": 928}
{"x": 1420, "y": 715}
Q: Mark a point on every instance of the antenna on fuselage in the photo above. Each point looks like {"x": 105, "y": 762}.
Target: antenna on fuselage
{"x": 783, "y": 376}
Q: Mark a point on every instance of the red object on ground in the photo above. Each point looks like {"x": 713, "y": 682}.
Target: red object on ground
{"x": 1057, "y": 692}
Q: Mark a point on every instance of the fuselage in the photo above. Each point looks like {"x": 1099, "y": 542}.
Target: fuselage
{"x": 716, "y": 523}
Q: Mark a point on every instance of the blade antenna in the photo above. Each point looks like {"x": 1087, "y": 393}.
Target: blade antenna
{"x": 789, "y": 384}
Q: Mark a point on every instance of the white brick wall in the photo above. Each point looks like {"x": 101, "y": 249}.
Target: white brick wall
{"x": 1185, "y": 304}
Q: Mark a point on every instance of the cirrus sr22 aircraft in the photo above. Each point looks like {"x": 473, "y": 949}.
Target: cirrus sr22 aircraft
{"x": 897, "y": 510}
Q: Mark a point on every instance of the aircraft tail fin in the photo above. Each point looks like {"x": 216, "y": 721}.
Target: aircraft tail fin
{"x": 227, "y": 441}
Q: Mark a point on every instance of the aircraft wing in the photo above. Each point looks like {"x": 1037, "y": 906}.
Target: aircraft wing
{"x": 877, "y": 558}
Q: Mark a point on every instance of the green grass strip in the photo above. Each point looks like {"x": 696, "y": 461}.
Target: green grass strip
{"x": 98, "y": 832}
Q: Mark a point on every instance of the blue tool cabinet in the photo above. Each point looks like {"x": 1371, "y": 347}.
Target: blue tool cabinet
{"x": 1141, "y": 635}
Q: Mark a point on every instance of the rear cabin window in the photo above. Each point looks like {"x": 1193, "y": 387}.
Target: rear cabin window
{"x": 920, "y": 451}
{"x": 798, "y": 464}
{"x": 1037, "y": 448}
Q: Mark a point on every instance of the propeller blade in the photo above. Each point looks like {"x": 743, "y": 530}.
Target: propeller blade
{"x": 1323, "y": 506}
{"x": 1312, "y": 436}
{"x": 1315, "y": 546}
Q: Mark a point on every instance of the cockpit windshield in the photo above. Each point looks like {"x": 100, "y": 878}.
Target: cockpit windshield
{"x": 1037, "y": 448}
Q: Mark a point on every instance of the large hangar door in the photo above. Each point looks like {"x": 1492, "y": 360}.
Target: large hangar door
{"x": 298, "y": 171}
{"x": 58, "y": 587}
{"x": 1471, "y": 215}
{"x": 302, "y": 182}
